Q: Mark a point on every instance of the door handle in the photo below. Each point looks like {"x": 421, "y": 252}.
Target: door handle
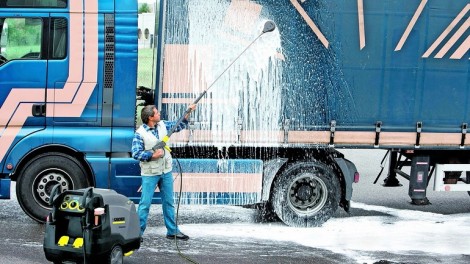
{"x": 39, "y": 110}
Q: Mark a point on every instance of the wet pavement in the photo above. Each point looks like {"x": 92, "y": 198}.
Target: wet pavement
{"x": 232, "y": 234}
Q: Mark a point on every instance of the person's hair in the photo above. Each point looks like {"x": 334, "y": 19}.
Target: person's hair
{"x": 146, "y": 112}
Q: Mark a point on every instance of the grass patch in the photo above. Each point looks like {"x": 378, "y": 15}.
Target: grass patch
{"x": 145, "y": 70}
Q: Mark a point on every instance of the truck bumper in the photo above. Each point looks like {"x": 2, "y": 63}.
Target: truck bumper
{"x": 5, "y": 188}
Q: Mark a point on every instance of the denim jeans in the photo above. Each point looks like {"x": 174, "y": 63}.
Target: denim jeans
{"x": 165, "y": 185}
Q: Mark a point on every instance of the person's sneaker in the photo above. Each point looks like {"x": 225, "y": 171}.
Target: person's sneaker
{"x": 179, "y": 236}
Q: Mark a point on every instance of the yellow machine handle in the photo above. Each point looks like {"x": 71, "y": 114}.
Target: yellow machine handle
{"x": 166, "y": 139}
{"x": 162, "y": 144}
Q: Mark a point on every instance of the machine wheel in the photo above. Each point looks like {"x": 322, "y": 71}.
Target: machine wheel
{"x": 306, "y": 194}
{"x": 116, "y": 256}
{"x": 40, "y": 174}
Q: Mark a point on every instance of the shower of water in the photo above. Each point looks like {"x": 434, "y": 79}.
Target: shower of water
{"x": 268, "y": 84}
{"x": 247, "y": 97}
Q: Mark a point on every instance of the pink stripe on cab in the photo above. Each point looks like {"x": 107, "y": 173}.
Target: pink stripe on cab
{"x": 86, "y": 88}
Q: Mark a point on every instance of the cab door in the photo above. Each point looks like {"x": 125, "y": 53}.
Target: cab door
{"x": 23, "y": 76}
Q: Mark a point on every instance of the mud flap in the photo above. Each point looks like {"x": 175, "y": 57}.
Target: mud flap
{"x": 348, "y": 169}
{"x": 5, "y": 188}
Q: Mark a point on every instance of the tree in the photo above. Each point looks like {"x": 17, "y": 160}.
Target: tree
{"x": 144, "y": 8}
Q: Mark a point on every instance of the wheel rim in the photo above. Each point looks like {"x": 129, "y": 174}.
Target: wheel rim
{"x": 307, "y": 194}
{"x": 45, "y": 181}
{"x": 116, "y": 255}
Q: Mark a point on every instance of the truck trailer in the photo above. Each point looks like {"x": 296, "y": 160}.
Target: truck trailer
{"x": 390, "y": 75}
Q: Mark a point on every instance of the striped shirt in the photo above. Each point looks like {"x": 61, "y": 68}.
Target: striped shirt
{"x": 138, "y": 149}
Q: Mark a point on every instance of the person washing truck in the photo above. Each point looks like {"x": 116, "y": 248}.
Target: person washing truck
{"x": 156, "y": 167}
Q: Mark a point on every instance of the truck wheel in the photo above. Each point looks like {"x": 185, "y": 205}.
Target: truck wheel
{"x": 40, "y": 174}
{"x": 306, "y": 194}
{"x": 116, "y": 256}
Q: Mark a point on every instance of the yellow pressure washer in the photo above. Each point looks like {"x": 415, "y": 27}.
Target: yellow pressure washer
{"x": 90, "y": 226}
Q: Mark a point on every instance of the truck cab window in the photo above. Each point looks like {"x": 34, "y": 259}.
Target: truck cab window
{"x": 34, "y": 3}
{"x": 3, "y": 39}
{"x": 20, "y": 39}
{"x": 58, "y": 39}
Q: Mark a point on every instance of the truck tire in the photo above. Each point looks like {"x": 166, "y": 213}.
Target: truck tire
{"x": 40, "y": 174}
{"x": 306, "y": 194}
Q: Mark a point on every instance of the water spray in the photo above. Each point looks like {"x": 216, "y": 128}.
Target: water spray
{"x": 269, "y": 26}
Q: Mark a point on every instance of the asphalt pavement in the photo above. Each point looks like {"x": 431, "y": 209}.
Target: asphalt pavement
{"x": 240, "y": 239}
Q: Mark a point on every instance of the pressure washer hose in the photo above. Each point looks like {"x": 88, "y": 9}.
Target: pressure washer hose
{"x": 177, "y": 214}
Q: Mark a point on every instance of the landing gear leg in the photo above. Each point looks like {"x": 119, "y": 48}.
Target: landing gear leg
{"x": 391, "y": 180}
{"x": 419, "y": 180}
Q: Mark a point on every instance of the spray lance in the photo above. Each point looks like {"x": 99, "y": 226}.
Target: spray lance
{"x": 269, "y": 26}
